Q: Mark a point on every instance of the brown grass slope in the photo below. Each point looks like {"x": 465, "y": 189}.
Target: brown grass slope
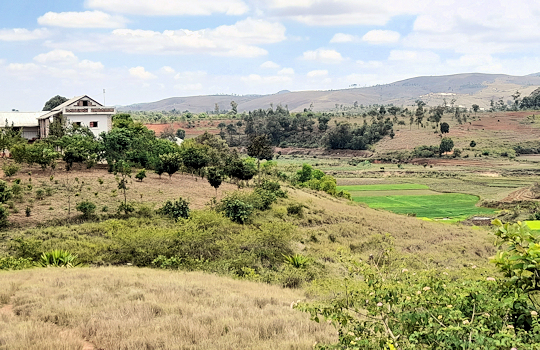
{"x": 467, "y": 89}
{"x": 131, "y": 308}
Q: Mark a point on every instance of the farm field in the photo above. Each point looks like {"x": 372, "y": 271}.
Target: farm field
{"x": 414, "y": 199}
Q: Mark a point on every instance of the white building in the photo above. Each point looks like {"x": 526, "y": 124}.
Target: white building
{"x": 83, "y": 111}
{"x": 27, "y": 122}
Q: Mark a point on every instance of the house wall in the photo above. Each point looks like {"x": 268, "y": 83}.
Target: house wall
{"x": 104, "y": 121}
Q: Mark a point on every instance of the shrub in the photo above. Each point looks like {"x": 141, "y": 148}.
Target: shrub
{"x": 10, "y": 169}
{"x": 40, "y": 194}
{"x": 296, "y": 261}
{"x": 236, "y": 208}
{"x": 12, "y": 263}
{"x": 274, "y": 187}
{"x": 58, "y": 258}
{"x": 262, "y": 199}
{"x": 127, "y": 208}
{"x": 28, "y": 211}
{"x": 5, "y": 192}
{"x": 141, "y": 175}
{"x": 175, "y": 210}
{"x": 3, "y": 217}
{"x": 472, "y": 144}
{"x": 295, "y": 209}
{"x": 87, "y": 208}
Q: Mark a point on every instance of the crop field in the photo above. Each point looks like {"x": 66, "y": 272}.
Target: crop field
{"x": 415, "y": 199}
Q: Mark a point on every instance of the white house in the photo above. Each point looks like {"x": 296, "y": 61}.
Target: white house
{"x": 27, "y": 122}
{"x": 81, "y": 110}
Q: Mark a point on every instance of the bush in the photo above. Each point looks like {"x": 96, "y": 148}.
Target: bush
{"x": 5, "y": 192}
{"x": 87, "y": 208}
{"x": 10, "y": 169}
{"x": 58, "y": 258}
{"x": 12, "y": 263}
{"x": 3, "y": 217}
{"x": 40, "y": 194}
{"x": 141, "y": 175}
{"x": 236, "y": 208}
{"x": 262, "y": 199}
{"x": 274, "y": 187}
{"x": 175, "y": 210}
{"x": 126, "y": 208}
{"x": 295, "y": 209}
{"x": 28, "y": 211}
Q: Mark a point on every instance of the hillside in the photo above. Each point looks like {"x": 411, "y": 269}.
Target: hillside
{"x": 467, "y": 89}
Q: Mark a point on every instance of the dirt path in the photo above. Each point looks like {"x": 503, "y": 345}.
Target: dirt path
{"x": 523, "y": 194}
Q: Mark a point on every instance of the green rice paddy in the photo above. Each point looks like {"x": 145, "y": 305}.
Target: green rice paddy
{"x": 403, "y": 199}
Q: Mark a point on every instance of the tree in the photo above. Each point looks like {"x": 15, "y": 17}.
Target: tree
{"x": 214, "y": 177}
{"x": 445, "y": 128}
{"x": 475, "y": 108}
{"x": 419, "y": 112}
{"x": 194, "y": 156}
{"x": 259, "y": 147}
{"x": 515, "y": 97}
{"x": 124, "y": 169}
{"x": 446, "y": 145}
{"x": 181, "y": 134}
{"x": 323, "y": 123}
{"x": 170, "y": 163}
{"x": 54, "y": 102}
{"x": 234, "y": 107}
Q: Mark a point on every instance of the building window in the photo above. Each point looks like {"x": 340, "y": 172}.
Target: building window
{"x": 93, "y": 124}
{"x": 85, "y": 103}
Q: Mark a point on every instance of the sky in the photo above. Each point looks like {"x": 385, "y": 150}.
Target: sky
{"x": 143, "y": 51}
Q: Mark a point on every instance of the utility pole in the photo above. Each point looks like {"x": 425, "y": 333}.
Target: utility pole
{"x": 104, "y": 98}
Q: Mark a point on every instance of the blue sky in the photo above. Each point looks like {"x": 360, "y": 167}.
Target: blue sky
{"x": 142, "y": 51}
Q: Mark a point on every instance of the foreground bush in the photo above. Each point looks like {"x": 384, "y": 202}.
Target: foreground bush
{"x": 176, "y": 210}
{"x": 385, "y": 309}
{"x": 58, "y": 258}
{"x": 12, "y": 263}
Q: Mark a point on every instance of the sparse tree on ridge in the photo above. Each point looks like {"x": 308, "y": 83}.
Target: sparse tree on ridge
{"x": 475, "y": 108}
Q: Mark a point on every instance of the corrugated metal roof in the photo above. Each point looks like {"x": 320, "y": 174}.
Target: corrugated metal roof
{"x": 19, "y": 119}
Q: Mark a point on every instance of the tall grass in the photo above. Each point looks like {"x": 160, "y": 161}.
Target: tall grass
{"x": 132, "y": 308}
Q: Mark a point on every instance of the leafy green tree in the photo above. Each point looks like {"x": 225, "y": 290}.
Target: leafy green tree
{"x": 181, "y": 134}
{"x": 259, "y": 147}
{"x": 446, "y": 145}
{"x": 124, "y": 170}
{"x": 87, "y": 208}
{"x": 214, "y": 177}
{"x": 170, "y": 163}
{"x": 419, "y": 112}
{"x": 323, "y": 123}
{"x": 445, "y": 128}
{"x": 234, "y": 107}
{"x": 42, "y": 153}
{"x": 141, "y": 175}
{"x": 177, "y": 209}
{"x": 305, "y": 174}
{"x": 475, "y": 108}
{"x": 54, "y": 102}
{"x": 194, "y": 156}
{"x": 79, "y": 145}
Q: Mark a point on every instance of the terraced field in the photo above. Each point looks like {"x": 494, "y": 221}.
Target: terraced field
{"x": 418, "y": 200}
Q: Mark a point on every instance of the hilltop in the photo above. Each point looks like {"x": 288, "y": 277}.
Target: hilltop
{"x": 466, "y": 89}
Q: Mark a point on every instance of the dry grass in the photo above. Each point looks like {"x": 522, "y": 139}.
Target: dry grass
{"x": 361, "y": 231}
{"x": 131, "y": 308}
{"x": 153, "y": 192}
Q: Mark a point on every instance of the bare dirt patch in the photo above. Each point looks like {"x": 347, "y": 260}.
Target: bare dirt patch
{"x": 194, "y": 129}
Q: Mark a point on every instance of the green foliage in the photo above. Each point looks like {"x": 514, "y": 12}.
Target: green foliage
{"x": 170, "y": 163}
{"x": 141, "y": 175}
{"x": 295, "y": 209}
{"x": 472, "y": 144}
{"x": 236, "y": 207}
{"x": 215, "y": 177}
{"x": 40, "y": 194}
{"x": 344, "y": 136}
{"x": 274, "y": 187}
{"x": 4, "y": 217}
{"x": 445, "y": 128}
{"x": 181, "y": 134}
{"x": 54, "y": 102}
{"x": 12, "y": 263}
{"x": 305, "y": 174}
{"x": 58, "y": 258}
{"x": 28, "y": 211}
{"x": 446, "y": 145}
{"x": 10, "y": 169}
{"x": 5, "y": 192}
{"x": 177, "y": 209}
{"x": 87, "y": 208}
{"x": 126, "y": 208}
{"x": 297, "y": 261}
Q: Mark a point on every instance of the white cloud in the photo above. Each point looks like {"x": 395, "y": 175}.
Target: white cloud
{"x": 317, "y": 73}
{"x": 344, "y": 12}
{"x": 87, "y": 19}
{"x": 343, "y": 38}
{"x": 381, "y": 37}
{"x": 270, "y": 65}
{"x": 170, "y": 8}
{"x": 192, "y": 76}
{"x": 167, "y": 70}
{"x": 323, "y": 56}
{"x": 23, "y": 67}
{"x": 413, "y": 56}
{"x": 141, "y": 73}
{"x": 57, "y": 56}
{"x": 286, "y": 71}
{"x": 237, "y": 40}
{"x": 21, "y": 34}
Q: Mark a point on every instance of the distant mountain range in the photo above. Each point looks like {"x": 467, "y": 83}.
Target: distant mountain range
{"x": 466, "y": 89}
